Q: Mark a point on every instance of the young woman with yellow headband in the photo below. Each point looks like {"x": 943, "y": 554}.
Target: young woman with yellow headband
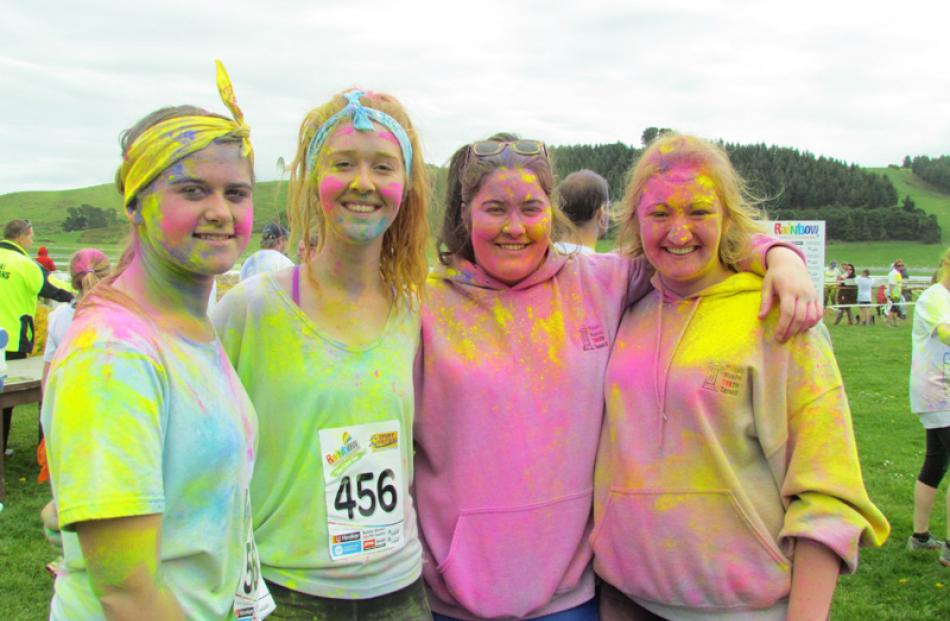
{"x": 325, "y": 350}
{"x": 151, "y": 437}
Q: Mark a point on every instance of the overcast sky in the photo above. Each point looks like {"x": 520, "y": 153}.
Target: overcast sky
{"x": 865, "y": 82}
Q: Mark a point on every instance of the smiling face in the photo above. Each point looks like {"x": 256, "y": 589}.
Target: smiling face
{"x": 510, "y": 224}
{"x": 681, "y": 220}
{"x": 197, "y": 215}
{"x": 360, "y": 181}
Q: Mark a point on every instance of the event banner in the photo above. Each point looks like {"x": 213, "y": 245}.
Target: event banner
{"x": 809, "y": 237}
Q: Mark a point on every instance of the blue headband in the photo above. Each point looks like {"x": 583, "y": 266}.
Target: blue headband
{"x": 362, "y": 121}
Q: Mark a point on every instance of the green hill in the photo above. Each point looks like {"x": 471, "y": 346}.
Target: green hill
{"x": 48, "y": 209}
{"x": 927, "y": 197}
{"x": 921, "y": 259}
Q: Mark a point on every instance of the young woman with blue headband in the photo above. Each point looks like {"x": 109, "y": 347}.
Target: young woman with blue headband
{"x": 325, "y": 350}
{"x": 151, "y": 437}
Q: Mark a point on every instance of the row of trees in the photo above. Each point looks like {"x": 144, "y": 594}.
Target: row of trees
{"x": 858, "y": 205}
{"x": 935, "y": 171}
{"x": 790, "y": 179}
{"x": 88, "y": 217}
{"x": 845, "y": 224}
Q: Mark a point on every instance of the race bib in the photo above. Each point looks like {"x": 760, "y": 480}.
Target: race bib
{"x": 252, "y": 601}
{"x": 364, "y": 482}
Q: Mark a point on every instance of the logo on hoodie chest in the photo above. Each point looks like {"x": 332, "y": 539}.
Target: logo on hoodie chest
{"x": 724, "y": 378}
{"x": 593, "y": 337}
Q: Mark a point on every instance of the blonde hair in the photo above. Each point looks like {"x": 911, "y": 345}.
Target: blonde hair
{"x": 86, "y": 268}
{"x": 402, "y": 263}
{"x": 742, "y": 217}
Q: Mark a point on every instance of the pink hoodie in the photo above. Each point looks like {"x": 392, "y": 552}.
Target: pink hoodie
{"x": 508, "y": 418}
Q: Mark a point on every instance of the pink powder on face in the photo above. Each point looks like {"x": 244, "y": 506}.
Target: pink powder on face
{"x": 387, "y": 135}
{"x": 243, "y": 227}
{"x": 329, "y": 189}
{"x": 175, "y": 223}
{"x": 392, "y": 193}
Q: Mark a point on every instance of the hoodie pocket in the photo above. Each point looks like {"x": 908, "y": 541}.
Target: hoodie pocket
{"x": 688, "y": 548}
{"x": 508, "y": 562}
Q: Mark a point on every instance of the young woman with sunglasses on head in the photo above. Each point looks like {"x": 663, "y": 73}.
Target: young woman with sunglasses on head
{"x": 515, "y": 339}
{"x": 326, "y": 352}
{"x": 150, "y": 436}
{"x": 727, "y": 484}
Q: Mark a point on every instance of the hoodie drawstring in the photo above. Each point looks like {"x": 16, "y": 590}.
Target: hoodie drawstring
{"x": 662, "y": 375}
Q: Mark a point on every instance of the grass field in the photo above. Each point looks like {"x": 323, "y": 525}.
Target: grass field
{"x": 891, "y": 583}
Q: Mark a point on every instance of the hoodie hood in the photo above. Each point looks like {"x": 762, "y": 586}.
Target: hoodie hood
{"x": 465, "y": 272}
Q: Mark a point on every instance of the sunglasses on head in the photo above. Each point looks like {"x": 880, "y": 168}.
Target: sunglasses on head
{"x": 488, "y": 148}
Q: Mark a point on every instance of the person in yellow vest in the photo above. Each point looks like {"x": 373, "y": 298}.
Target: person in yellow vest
{"x": 22, "y": 281}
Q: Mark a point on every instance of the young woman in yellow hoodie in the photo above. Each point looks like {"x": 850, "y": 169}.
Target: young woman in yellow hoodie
{"x": 727, "y": 482}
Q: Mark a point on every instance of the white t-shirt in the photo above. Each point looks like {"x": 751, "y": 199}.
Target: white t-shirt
{"x": 58, "y": 322}
{"x": 265, "y": 260}
{"x": 865, "y": 284}
{"x": 930, "y": 359}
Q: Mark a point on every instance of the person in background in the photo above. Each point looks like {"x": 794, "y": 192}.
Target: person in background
{"x": 22, "y": 282}
{"x": 87, "y": 267}
{"x": 895, "y": 279}
{"x": 270, "y": 257}
{"x": 832, "y": 275}
{"x": 43, "y": 258}
{"x": 847, "y": 293}
{"x": 306, "y": 245}
{"x": 584, "y": 197}
{"x": 930, "y": 400}
{"x": 727, "y": 483}
{"x": 865, "y": 283}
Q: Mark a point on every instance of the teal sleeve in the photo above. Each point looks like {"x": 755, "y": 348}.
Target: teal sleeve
{"x": 103, "y": 414}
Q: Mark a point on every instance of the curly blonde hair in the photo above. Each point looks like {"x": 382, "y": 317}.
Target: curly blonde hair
{"x": 403, "y": 262}
{"x": 742, "y": 216}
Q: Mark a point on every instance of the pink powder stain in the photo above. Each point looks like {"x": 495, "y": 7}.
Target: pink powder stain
{"x": 243, "y": 228}
{"x": 175, "y": 223}
{"x": 392, "y": 193}
{"x": 387, "y": 135}
{"x": 345, "y": 129}
{"x": 329, "y": 189}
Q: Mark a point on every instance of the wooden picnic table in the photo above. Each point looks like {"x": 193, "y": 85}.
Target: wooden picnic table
{"x": 22, "y": 386}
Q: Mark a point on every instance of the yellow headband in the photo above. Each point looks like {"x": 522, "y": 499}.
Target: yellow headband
{"x": 164, "y": 143}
